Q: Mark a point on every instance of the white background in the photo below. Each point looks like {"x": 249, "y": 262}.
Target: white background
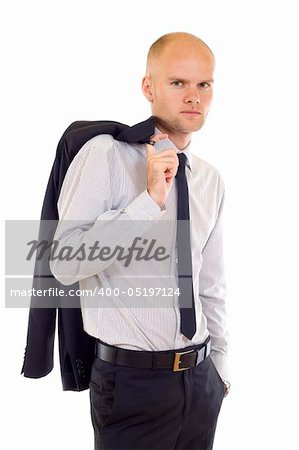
{"x": 67, "y": 60}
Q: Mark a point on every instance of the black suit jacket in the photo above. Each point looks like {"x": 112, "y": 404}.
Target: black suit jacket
{"x": 76, "y": 347}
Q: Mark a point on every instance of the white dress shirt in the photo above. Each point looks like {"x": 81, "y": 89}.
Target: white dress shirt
{"x": 104, "y": 199}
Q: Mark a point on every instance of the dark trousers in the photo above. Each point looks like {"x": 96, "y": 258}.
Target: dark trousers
{"x": 155, "y": 409}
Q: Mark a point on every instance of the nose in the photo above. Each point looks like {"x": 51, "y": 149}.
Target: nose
{"x": 192, "y": 97}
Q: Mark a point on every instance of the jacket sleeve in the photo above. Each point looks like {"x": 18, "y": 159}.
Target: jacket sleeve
{"x": 39, "y": 350}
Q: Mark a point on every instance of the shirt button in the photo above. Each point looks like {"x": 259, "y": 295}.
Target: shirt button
{"x": 176, "y": 260}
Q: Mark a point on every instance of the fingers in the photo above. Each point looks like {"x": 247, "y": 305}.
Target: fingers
{"x": 150, "y": 149}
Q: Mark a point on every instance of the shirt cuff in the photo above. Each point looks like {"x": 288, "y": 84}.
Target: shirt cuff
{"x": 221, "y": 364}
{"x": 144, "y": 207}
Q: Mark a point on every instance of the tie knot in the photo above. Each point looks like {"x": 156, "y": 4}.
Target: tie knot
{"x": 182, "y": 161}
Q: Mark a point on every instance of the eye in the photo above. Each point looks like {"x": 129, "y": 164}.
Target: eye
{"x": 177, "y": 83}
{"x": 205, "y": 85}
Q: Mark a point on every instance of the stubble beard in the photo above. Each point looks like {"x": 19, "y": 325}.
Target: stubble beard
{"x": 178, "y": 126}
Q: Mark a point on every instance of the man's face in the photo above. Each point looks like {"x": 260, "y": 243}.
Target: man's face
{"x": 180, "y": 87}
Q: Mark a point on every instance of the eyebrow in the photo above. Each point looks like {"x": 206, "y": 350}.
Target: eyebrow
{"x": 181, "y": 79}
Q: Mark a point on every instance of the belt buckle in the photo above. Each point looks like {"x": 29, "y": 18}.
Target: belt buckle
{"x": 177, "y": 361}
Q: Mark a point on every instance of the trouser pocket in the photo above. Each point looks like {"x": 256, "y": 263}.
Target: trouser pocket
{"x": 217, "y": 376}
{"x": 103, "y": 393}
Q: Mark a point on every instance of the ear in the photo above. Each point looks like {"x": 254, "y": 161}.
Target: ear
{"x": 147, "y": 88}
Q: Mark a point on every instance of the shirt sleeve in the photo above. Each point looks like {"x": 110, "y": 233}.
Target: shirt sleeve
{"x": 212, "y": 293}
{"x": 87, "y": 215}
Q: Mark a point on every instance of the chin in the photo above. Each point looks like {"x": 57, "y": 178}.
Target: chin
{"x": 190, "y": 128}
{"x": 192, "y": 124}
{"x": 179, "y": 125}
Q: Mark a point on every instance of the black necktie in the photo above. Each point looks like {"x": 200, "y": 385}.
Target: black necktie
{"x": 186, "y": 298}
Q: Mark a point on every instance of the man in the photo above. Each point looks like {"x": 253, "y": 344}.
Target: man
{"x": 154, "y": 383}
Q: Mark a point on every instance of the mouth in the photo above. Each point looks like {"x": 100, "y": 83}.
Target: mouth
{"x": 194, "y": 113}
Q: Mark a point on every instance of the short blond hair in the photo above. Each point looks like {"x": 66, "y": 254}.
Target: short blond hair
{"x": 159, "y": 45}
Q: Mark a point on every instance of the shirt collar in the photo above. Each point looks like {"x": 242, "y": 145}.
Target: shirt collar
{"x": 167, "y": 143}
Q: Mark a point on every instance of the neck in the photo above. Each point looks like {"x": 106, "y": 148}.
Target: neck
{"x": 179, "y": 138}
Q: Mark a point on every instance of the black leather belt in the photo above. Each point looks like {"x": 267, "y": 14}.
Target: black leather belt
{"x": 176, "y": 360}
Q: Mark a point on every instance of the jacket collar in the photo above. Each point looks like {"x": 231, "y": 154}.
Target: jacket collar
{"x": 139, "y": 133}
